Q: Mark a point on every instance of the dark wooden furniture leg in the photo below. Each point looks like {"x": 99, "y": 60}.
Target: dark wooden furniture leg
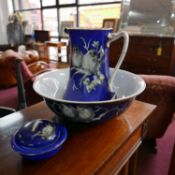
{"x": 21, "y": 92}
{"x": 153, "y": 145}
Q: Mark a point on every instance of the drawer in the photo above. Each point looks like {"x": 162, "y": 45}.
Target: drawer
{"x": 145, "y": 69}
{"x": 143, "y": 40}
{"x": 150, "y": 50}
{"x": 144, "y": 51}
{"x": 147, "y": 42}
{"x": 148, "y": 59}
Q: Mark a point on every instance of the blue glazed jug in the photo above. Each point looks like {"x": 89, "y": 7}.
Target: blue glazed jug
{"x": 89, "y": 78}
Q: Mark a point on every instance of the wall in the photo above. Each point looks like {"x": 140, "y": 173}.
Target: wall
{"x": 5, "y": 10}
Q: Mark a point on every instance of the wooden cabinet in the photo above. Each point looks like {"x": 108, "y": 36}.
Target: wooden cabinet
{"x": 146, "y": 55}
{"x": 102, "y": 149}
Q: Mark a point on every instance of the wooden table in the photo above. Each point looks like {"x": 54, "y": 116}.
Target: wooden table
{"x": 90, "y": 149}
{"x": 58, "y": 45}
{"x": 43, "y": 49}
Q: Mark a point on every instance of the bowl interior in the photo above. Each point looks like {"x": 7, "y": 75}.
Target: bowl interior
{"x": 53, "y": 84}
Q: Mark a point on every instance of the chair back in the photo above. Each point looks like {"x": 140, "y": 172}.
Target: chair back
{"x": 24, "y": 78}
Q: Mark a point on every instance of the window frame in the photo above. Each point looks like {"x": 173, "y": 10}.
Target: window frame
{"x": 58, "y": 6}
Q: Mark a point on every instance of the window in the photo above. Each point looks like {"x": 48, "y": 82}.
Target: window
{"x": 67, "y": 14}
{"x": 66, "y": 1}
{"x": 87, "y": 13}
{"x": 50, "y": 21}
{"x": 49, "y": 14}
{"x": 33, "y": 17}
{"x": 95, "y": 1}
{"x": 48, "y": 3}
{"x": 27, "y": 4}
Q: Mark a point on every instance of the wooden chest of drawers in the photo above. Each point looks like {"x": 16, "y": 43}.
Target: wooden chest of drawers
{"x": 146, "y": 55}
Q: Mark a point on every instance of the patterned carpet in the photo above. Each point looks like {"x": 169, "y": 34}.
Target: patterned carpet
{"x": 9, "y": 97}
{"x": 157, "y": 164}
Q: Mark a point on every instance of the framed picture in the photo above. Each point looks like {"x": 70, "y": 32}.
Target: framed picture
{"x": 65, "y": 24}
{"x": 111, "y": 23}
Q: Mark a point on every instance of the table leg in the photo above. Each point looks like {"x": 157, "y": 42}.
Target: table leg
{"x": 125, "y": 169}
{"x": 133, "y": 164}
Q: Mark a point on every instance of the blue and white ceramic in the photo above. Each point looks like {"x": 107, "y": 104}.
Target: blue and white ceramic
{"x": 39, "y": 139}
{"x": 89, "y": 73}
{"x": 52, "y": 85}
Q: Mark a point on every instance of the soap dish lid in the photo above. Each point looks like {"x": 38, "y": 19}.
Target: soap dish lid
{"x": 39, "y": 137}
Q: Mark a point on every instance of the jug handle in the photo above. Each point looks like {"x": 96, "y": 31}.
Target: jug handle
{"x": 113, "y": 37}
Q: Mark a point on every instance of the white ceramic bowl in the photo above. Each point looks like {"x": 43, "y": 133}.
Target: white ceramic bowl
{"x": 51, "y": 86}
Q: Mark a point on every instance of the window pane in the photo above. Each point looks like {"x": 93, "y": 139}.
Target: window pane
{"x": 67, "y": 16}
{"x": 96, "y": 1}
{"x": 33, "y": 17}
{"x": 50, "y": 21}
{"x": 48, "y": 3}
{"x": 92, "y": 16}
{"x": 66, "y": 1}
{"x": 26, "y": 4}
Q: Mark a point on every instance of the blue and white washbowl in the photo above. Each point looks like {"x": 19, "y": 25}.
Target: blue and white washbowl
{"x": 52, "y": 85}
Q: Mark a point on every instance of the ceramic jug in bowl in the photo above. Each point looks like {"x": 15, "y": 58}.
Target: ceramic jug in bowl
{"x": 89, "y": 70}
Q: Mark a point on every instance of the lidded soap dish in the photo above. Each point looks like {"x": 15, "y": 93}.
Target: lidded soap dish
{"x": 39, "y": 139}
